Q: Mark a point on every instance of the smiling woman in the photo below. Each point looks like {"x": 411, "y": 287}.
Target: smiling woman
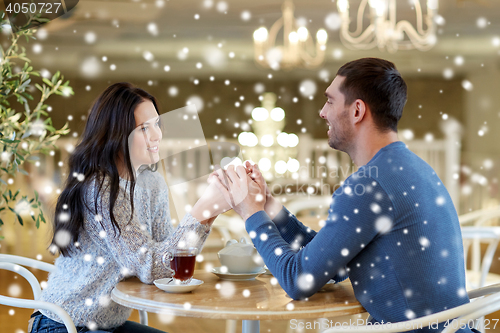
{"x": 145, "y": 138}
{"x": 106, "y": 227}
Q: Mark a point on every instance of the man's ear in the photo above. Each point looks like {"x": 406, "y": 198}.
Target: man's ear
{"x": 360, "y": 110}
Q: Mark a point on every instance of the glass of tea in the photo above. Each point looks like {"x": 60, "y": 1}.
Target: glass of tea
{"x": 181, "y": 262}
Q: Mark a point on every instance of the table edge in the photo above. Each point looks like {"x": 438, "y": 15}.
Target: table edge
{"x": 159, "y": 307}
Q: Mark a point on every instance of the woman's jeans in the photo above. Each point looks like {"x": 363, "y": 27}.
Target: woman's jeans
{"x": 42, "y": 324}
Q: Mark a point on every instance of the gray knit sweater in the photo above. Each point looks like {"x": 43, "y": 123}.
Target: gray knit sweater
{"x": 82, "y": 283}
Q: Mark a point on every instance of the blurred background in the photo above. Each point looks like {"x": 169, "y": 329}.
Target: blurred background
{"x": 256, "y": 72}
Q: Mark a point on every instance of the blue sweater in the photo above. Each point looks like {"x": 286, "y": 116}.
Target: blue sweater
{"x": 392, "y": 229}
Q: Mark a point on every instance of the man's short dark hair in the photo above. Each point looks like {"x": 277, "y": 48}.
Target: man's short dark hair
{"x": 378, "y": 83}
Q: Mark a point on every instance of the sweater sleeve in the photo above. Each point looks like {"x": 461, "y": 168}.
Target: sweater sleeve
{"x": 133, "y": 247}
{"x": 292, "y": 230}
{"x": 162, "y": 225}
{"x": 359, "y": 212}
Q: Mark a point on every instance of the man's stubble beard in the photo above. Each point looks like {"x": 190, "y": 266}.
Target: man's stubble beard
{"x": 341, "y": 136}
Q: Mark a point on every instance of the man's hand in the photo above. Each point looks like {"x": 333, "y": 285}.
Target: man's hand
{"x": 273, "y": 206}
{"x": 245, "y": 195}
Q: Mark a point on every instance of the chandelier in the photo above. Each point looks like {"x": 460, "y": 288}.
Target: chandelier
{"x": 268, "y": 145}
{"x": 383, "y": 30}
{"x": 298, "y": 49}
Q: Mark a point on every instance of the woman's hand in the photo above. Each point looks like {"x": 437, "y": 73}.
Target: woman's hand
{"x": 210, "y": 205}
{"x": 245, "y": 195}
{"x": 273, "y": 206}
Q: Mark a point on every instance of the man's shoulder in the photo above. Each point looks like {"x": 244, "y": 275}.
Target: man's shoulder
{"x": 360, "y": 186}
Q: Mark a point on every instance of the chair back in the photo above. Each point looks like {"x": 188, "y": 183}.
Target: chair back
{"x": 13, "y": 263}
{"x": 473, "y": 238}
{"x": 479, "y": 217}
{"x": 27, "y": 262}
{"x": 461, "y": 315}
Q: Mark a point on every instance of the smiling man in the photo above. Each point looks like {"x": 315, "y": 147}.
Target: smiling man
{"x": 392, "y": 227}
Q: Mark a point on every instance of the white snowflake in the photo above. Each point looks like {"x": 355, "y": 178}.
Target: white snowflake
{"x": 62, "y": 238}
{"x": 383, "y": 224}
{"x": 64, "y": 217}
{"x": 424, "y": 241}
{"x": 222, "y": 6}
{"x": 226, "y": 289}
{"x": 246, "y": 15}
{"x": 92, "y": 325}
{"x": 165, "y": 317}
{"x": 440, "y": 201}
{"x": 410, "y": 314}
{"x": 305, "y": 281}
{"x": 307, "y": 88}
{"x": 125, "y": 271}
{"x": 104, "y": 301}
{"x": 375, "y": 208}
{"x": 14, "y": 290}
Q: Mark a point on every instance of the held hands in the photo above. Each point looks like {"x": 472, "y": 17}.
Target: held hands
{"x": 272, "y": 206}
{"x": 244, "y": 194}
{"x": 211, "y": 204}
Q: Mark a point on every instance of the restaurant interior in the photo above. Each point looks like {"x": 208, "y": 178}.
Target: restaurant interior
{"x": 256, "y": 73}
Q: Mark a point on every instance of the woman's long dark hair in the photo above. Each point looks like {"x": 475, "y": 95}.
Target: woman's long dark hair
{"x": 104, "y": 142}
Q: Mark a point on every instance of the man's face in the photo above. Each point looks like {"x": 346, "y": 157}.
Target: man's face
{"x": 336, "y": 114}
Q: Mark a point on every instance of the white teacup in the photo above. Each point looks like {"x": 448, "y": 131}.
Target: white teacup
{"x": 240, "y": 257}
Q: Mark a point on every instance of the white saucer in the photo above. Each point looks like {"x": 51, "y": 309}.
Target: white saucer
{"x": 169, "y": 286}
{"x": 328, "y": 286}
{"x": 236, "y": 277}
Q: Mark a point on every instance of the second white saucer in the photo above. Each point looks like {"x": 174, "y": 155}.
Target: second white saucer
{"x": 169, "y": 286}
{"x": 236, "y": 277}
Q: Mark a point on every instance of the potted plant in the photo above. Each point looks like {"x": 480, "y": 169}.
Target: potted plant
{"x": 25, "y": 127}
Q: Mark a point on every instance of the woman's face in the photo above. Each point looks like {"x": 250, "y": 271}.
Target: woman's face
{"x": 144, "y": 141}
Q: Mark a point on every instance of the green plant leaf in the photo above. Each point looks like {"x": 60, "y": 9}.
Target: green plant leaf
{"x": 19, "y": 219}
{"x": 24, "y": 172}
{"x": 16, "y": 85}
{"x": 47, "y": 82}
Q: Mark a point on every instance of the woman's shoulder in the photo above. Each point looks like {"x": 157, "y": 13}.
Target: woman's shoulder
{"x": 150, "y": 180}
{"x": 147, "y": 181}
